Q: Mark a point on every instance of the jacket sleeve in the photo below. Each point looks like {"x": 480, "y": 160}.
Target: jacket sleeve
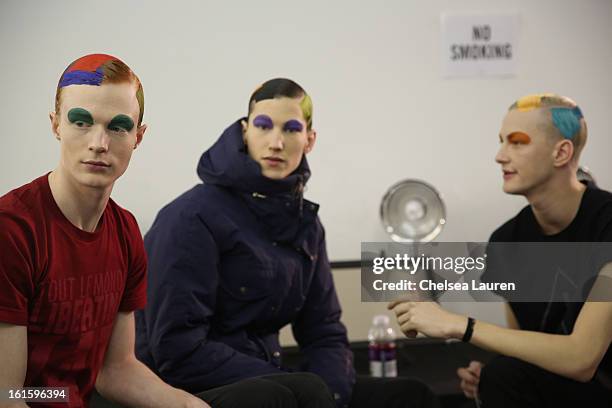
{"x": 182, "y": 288}
{"x": 321, "y": 336}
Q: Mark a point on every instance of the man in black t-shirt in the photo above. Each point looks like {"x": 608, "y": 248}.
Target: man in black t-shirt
{"x": 552, "y": 354}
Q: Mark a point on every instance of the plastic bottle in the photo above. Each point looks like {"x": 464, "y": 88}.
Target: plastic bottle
{"x": 381, "y": 349}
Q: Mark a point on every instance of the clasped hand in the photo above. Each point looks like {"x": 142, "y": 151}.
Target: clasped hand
{"x": 428, "y": 318}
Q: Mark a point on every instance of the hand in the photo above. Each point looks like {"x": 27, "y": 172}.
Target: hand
{"x": 470, "y": 377}
{"x": 428, "y": 318}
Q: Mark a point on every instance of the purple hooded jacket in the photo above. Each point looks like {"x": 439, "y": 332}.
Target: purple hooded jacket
{"x": 231, "y": 262}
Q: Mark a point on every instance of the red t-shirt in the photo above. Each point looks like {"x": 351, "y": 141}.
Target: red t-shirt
{"x": 66, "y": 285}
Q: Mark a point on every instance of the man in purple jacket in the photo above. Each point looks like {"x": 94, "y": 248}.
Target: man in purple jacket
{"x": 235, "y": 259}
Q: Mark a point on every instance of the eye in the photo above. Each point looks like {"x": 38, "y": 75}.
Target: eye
{"x": 80, "y": 117}
{"x": 117, "y": 129}
{"x": 263, "y": 122}
{"x": 293, "y": 126}
{"x": 81, "y": 124}
{"x": 121, "y": 124}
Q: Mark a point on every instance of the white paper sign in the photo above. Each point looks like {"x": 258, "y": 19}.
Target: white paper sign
{"x": 479, "y": 45}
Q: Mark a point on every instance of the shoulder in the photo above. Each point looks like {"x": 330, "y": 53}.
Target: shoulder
{"x": 192, "y": 214}
{"x": 22, "y": 199}
{"x": 23, "y": 208}
{"x": 312, "y": 229}
{"x": 597, "y": 210}
{"x": 123, "y": 217}
{"x": 312, "y": 219}
{"x": 123, "y": 225}
{"x": 598, "y": 201}
{"x": 23, "y": 226}
{"x": 507, "y": 231}
{"x": 202, "y": 201}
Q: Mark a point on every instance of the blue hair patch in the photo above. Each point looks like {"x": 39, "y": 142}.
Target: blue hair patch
{"x": 82, "y": 78}
{"x": 567, "y": 121}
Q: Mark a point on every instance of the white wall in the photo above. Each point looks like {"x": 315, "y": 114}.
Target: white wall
{"x": 382, "y": 109}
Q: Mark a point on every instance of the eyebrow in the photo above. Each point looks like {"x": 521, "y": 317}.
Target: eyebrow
{"x": 80, "y": 115}
{"x": 262, "y": 120}
{"x": 293, "y": 125}
{"x": 122, "y": 121}
{"x": 519, "y": 137}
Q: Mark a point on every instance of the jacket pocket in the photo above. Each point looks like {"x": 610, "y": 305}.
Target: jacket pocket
{"x": 246, "y": 277}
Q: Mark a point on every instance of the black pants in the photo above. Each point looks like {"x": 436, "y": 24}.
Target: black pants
{"x": 294, "y": 390}
{"x": 391, "y": 393}
{"x": 305, "y": 390}
{"x": 507, "y": 382}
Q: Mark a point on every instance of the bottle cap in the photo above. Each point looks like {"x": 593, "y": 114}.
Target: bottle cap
{"x": 380, "y": 320}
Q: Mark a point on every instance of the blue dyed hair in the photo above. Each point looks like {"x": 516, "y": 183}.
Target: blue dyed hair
{"x": 566, "y": 116}
{"x": 567, "y": 120}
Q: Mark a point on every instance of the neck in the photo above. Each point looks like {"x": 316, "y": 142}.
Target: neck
{"x": 556, "y": 204}
{"x": 83, "y": 206}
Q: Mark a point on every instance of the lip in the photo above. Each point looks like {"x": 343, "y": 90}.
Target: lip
{"x": 96, "y": 165}
{"x": 508, "y": 174}
{"x": 273, "y": 161}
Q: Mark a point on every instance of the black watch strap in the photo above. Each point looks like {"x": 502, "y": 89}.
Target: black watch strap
{"x": 469, "y": 330}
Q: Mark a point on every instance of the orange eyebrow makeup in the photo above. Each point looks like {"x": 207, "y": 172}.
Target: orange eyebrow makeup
{"x": 519, "y": 137}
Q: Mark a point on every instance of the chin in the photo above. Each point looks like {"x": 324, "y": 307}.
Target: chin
{"x": 275, "y": 175}
{"x": 514, "y": 190}
{"x": 99, "y": 181}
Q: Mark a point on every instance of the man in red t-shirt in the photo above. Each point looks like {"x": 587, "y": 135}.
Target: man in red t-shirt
{"x": 72, "y": 262}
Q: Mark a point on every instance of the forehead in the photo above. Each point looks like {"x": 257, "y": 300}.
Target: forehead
{"x": 106, "y": 98}
{"x": 532, "y": 122}
{"x": 279, "y": 109}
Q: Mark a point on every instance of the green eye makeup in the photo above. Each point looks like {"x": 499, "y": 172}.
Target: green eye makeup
{"x": 80, "y": 115}
{"x": 121, "y": 122}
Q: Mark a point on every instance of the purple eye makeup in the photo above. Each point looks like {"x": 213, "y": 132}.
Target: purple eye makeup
{"x": 263, "y": 122}
{"x": 293, "y": 126}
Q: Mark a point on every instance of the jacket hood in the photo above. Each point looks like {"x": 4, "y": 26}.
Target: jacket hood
{"x": 228, "y": 164}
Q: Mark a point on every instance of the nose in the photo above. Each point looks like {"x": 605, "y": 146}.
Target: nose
{"x": 99, "y": 140}
{"x": 501, "y": 157}
{"x": 277, "y": 142}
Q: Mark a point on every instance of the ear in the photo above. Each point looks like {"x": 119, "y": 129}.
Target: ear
{"x": 563, "y": 153}
{"x": 311, "y": 138}
{"x": 245, "y": 126}
{"x": 53, "y": 117}
{"x": 140, "y": 134}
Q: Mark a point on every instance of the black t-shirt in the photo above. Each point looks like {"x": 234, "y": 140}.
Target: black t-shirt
{"x": 593, "y": 223}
